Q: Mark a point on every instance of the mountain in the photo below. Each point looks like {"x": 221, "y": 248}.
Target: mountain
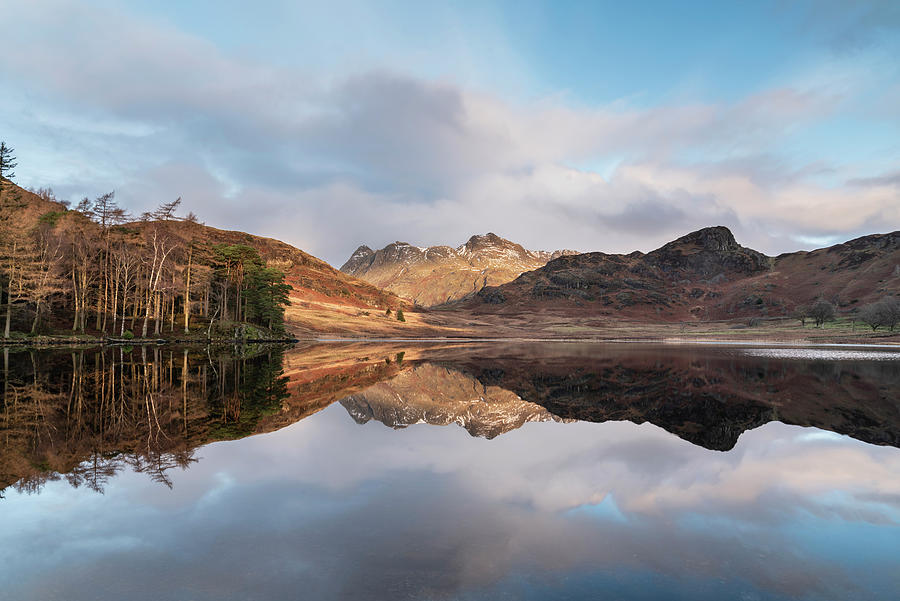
{"x": 438, "y": 395}
{"x": 703, "y": 275}
{"x": 439, "y": 274}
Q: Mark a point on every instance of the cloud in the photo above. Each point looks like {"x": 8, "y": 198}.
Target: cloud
{"x": 885, "y": 180}
{"x": 330, "y": 161}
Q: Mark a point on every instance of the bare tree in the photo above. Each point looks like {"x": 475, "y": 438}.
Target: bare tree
{"x": 107, "y": 214}
{"x": 801, "y": 313}
{"x": 159, "y": 246}
{"x": 125, "y": 265}
{"x": 82, "y": 253}
{"x": 43, "y": 277}
{"x": 166, "y": 211}
{"x": 13, "y": 258}
{"x": 884, "y": 313}
{"x": 821, "y": 312}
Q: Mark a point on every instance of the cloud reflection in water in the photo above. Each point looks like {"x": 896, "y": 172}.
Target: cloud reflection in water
{"x": 328, "y": 509}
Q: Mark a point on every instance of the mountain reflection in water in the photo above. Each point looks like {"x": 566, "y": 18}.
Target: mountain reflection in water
{"x": 524, "y": 503}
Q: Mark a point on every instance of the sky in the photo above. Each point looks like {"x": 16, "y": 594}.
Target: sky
{"x": 612, "y": 126}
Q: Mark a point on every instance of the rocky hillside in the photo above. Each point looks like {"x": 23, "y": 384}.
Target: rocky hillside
{"x": 438, "y": 274}
{"x": 703, "y": 275}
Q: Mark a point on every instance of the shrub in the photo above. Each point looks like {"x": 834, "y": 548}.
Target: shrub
{"x": 400, "y": 315}
{"x": 128, "y": 335}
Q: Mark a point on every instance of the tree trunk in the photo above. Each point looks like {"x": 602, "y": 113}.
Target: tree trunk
{"x": 237, "y": 304}
{"x": 99, "y": 312}
{"x": 225, "y": 301}
{"x": 8, "y": 307}
{"x": 187, "y": 290}
{"x": 115, "y": 305}
{"x": 137, "y": 306}
{"x": 37, "y": 317}
{"x": 124, "y": 309}
{"x": 157, "y": 314}
{"x": 146, "y": 319}
{"x": 74, "y": 300}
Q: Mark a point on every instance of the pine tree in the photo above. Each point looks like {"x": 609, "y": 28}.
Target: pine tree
{"x": 11, "y": 240}
{"x": 7, "y": 164}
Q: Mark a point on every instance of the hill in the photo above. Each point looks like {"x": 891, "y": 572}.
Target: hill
{"x": 321, "y": 298}
{"x": 705, "y": 275}
{"x": 439, "y": 274}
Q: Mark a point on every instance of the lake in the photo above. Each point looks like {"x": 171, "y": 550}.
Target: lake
{"x": 401, "y": 470}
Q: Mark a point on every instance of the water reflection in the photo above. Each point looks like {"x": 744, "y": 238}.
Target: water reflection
{"x": 86, "y": 415}
{"x": 440, "y": 395}
{"x": 706, "y": 395}
{"x": 520, "y": 501}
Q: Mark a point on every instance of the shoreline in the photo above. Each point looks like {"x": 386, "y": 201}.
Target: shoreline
{"x": 325, "y": 340}
{"x": 596, "y": 340}
{"x": 62, "y": 342}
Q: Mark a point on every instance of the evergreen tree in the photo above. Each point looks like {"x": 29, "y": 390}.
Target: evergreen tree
{"x": 7, "y": 164}
{"x": 11, "y": 239}
{"x": 266, "y": 296}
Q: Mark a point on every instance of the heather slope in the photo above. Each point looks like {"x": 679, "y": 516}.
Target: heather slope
{"x": 705, "y": 275}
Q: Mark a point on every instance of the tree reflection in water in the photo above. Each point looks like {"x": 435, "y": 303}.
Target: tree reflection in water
{"x": 84, "y": 415}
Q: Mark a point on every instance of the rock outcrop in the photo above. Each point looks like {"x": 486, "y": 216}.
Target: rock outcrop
{"x": 439, "y": 274}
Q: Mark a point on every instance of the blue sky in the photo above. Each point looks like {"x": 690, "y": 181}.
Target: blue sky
{"x": 592, "y": 125}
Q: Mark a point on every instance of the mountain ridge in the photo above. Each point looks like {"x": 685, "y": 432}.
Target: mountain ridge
{"x": 439, "y": 274}
{"x": 703, "y": 275}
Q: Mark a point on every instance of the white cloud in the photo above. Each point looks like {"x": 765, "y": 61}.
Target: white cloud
{"x": 329, "y": 163}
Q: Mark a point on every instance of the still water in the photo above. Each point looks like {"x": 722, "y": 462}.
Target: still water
{"x": 451, "y": 471}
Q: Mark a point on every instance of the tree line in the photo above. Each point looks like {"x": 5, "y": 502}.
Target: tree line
{"x": 883, "y": 313}
{"x": 105, "y": 271}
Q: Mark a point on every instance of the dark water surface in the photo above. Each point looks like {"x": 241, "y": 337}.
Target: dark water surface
{"x": 451, "y": 471}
